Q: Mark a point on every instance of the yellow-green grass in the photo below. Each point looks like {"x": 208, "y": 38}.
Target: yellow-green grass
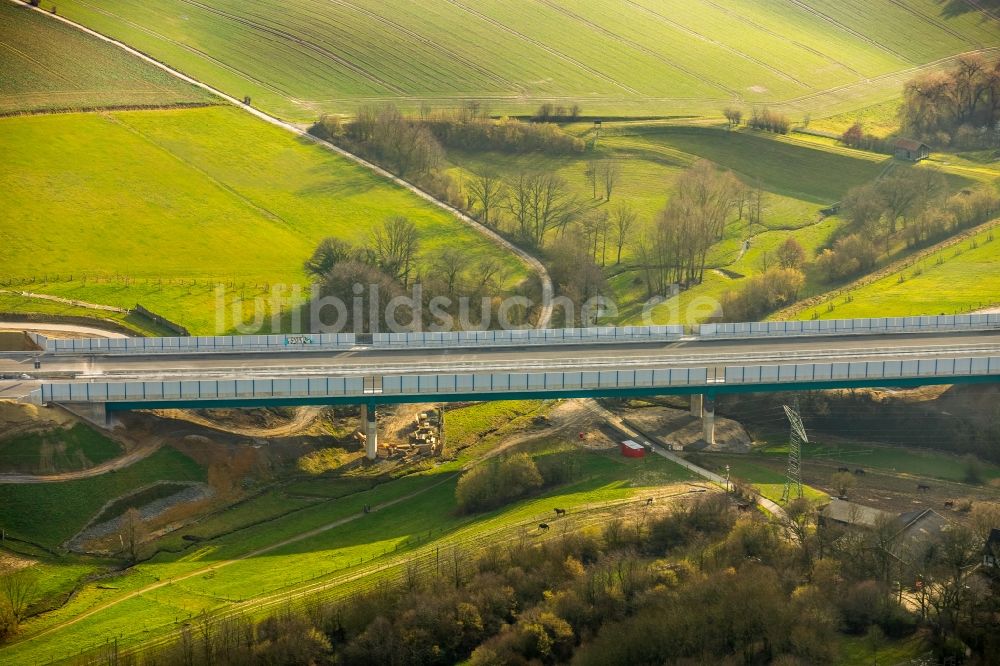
{"x": 425, "y": 520}
{"x": 46, "y": 310}
{"x": 860, "y": 651}
{"x": 50, "y": 513}
{"x": 159, "y": 207}
{"x": 960, "y": 278}
{"x": 303, "y": 57}
{"x": 768, "y": 482}
{"x": 919, "y": 462}
{"x": 48, "y": 65}
{"x": 799, "y": 179}
{"x": 56, "y": 450}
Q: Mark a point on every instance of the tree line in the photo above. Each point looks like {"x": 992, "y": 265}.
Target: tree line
{"x": 392, "y": 261}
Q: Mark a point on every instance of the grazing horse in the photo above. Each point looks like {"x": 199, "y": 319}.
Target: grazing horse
{"x": 923, "y": 487}
{"x": 859, "y": 471}
{"x": 543, "y": 526}
{"x": 560, "y": 512}
{"x": 843, "y": 469}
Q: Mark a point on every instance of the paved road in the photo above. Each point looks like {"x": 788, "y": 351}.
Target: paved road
{"x": 693, "y": 353}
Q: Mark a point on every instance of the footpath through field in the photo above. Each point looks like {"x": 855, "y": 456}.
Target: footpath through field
{"x": 545, "y": 314}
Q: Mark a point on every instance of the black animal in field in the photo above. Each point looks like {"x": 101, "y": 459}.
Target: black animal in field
{"x": 922, "y": 487}
{"x": 543, "y": 526}
{"x": 843, "y": 469}
{"x": 859, "y": 472}
{"x": 560, "y": 512}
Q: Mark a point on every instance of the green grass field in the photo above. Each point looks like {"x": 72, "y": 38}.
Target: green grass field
{"x": 59, "y": 450}
{"x": 159, "y": 207}
{"x": 960, "y": 278}
{"x": 300, "y": 58}
{"x": 47, "y": 65}
{"x": 363, "y": 545}
{"x": 50, "y": 513}
{"x": 919, "y": 462}
{"x": 799, "y": 177}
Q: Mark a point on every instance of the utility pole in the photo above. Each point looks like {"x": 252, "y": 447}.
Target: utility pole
{"x": 793, "y": 473}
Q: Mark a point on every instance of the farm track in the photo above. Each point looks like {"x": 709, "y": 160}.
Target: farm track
{"x": 990, "y": 50}
{"x": 639, "y": 47}
{"x": 545, "y": 313}
{"x": 545, "y": 47}
{"x": 726, "y": 47}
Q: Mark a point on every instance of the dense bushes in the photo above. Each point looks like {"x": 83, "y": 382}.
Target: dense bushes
{"x": 772, "y": 289}
{"x": 507, "y": 135}
{"x": 856, "y": 137}
{"x": 769, "y": 121}
{"x": 959, "y": 107}
{"x": 496, "y": 482}
{"x": 849, "y": 256}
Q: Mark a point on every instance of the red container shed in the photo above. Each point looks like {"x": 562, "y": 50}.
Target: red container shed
{"x": 632, "y": 449}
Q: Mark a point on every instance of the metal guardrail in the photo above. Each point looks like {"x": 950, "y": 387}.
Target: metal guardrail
{"x": 343, "y": 341}
{"x": 513, "y": 338}
{"x": 430, "y": 385}
{"x": 868, "y": 326}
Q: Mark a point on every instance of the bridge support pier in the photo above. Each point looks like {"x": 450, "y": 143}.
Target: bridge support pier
{"x": 370, "y": 428}
{"x": 708, "y": 419}
{"x": 92, "y": 412}
{"x": 697, "y": 404}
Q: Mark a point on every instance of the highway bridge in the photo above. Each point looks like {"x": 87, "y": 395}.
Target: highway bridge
{"x": 102, "y": 376}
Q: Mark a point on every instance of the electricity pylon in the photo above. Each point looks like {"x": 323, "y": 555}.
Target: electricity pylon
{"x": 793, "y": 474}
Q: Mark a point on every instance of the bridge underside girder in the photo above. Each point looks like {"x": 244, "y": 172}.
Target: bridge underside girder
{"x": 385, "y": 399}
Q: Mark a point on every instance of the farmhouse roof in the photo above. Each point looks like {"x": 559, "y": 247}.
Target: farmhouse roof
{"x": 910, "y": 144}
{"x": 850, "y": 513}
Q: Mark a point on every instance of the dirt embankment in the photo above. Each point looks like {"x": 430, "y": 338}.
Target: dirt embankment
{"x": 15, "y": 341}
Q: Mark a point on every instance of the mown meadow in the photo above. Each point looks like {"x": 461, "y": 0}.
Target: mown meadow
{"x": 633, "y": 58}
{"x": 46, "y": 65}
{"x": 162, "y": 207}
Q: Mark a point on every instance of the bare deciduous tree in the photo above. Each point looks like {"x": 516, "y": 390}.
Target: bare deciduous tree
{"x": 133, "y": 533}
{"x": 622, "y": 222}
{"x": 395, "y": 244}
{"x": 487, "y": 190}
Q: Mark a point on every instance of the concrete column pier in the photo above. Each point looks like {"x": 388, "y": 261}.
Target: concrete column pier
{"x": 92, "y": 412}
{"x": 708, "y": 420}
{"x": 370, "y": 428}
{"x": 697, "y": 404}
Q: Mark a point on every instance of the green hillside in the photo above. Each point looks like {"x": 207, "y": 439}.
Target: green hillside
{"x": 48, "y": 65}
{"x": 303, "y": 57}
{"x": 158, "y": 207}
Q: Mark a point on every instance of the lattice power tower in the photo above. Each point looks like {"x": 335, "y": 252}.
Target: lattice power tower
{"x": 793, "y": 475}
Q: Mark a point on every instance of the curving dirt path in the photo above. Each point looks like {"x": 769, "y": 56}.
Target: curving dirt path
{"x": 304, "y": 417}
{"x": 41, "y": 327}
{"x": 130, "y": 458}
{"x": 545, "y": 313}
